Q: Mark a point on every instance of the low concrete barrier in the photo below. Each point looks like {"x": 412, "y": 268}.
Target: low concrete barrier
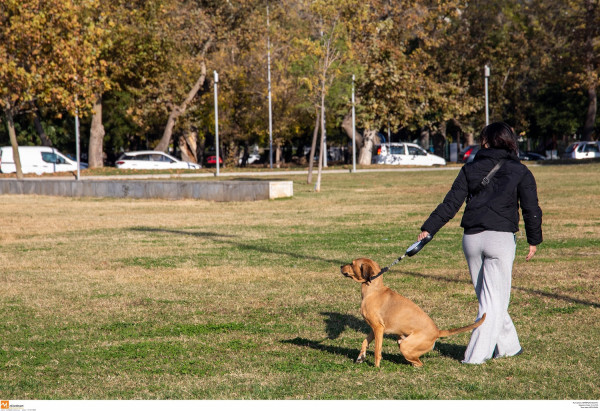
{"x": 202, "y": 190}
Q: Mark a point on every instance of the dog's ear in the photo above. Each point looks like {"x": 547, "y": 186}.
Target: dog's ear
{"x": 367, "y": 271}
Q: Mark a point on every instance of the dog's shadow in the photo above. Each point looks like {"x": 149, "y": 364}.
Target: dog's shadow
{"x": 337, "y": 323}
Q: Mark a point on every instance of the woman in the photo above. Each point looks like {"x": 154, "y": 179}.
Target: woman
{"x": 490, "y": 221}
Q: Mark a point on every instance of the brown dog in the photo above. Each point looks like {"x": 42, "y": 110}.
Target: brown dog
{"x": 386, "y": 311}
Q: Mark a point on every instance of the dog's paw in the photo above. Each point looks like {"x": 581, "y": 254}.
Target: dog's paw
{"x": 361, "y": 358}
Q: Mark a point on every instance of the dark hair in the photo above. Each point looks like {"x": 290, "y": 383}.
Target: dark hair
{"x": 499, "y": 135}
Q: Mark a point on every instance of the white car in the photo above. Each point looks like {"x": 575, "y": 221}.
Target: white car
{"x": 582, "y": 150}
{"x": 405, "y": 154}
{"x": 252, "y": 158}
{"x": 152, "y": 160}
{"x": 36, "y": 160}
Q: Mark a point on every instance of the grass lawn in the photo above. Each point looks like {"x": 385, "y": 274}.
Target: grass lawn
{"x": 140, "y": 299}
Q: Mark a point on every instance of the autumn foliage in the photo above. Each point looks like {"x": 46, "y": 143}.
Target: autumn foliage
{"x": 142, "y": 71}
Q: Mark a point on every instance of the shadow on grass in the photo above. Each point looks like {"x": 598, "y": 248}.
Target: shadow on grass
{"x": 337, "y": 323}
{"x": 350, "y": 353}
{"x": 523, "y": 289}
{"x": 222, "y": 238}
{"x": 456, "y": 352}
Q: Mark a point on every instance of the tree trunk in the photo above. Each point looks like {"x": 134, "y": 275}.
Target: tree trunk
{"x": 10, "y": 124}
{"x": 277, "y": 153}
{"x": 322, "y": 150}
{"x": 347, "y": 127}
{"x": 40, "y": 129}
{"x": 444, "y": 129}
{"x": 95, "y": 154}
{"x": 200, "y": 150}
{"x": 246, "y": 154}
{"x": 424, "y": 138}
{"x": 231, "y": 155}
{"x": 366, "y": 151}
{"x": 590, "y": 117}
{"x": 163, "y": 144}
{"x": 188, "y": 146}
{"x": 313, "y": 147}
{"x": 469, "y": 139}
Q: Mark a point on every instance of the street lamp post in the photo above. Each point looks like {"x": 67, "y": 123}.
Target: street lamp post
{"x": 353, "y": 129}
{"x": 77, "y": 145}
{"x": 217, "y": 121}
{"x": 486, "y": 72}
{"x": 269, "y": 87}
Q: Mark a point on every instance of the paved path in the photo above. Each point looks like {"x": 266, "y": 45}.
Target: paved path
{"x": 273, "y": 173}
{"x": 262, "y": 173}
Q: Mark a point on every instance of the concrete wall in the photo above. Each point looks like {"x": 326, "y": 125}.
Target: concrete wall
{"x": 203, "y": 190}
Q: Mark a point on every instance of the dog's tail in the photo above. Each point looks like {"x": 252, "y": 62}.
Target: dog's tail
{"x": 446, "y": 333}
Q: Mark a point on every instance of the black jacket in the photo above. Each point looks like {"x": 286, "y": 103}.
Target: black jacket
{"x": 496, "y": 207}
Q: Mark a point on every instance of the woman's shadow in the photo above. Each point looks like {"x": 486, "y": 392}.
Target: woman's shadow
{"x": 337, "y": 323}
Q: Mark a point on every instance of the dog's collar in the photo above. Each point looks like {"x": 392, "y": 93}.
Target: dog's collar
{"x": 385, "y": 269}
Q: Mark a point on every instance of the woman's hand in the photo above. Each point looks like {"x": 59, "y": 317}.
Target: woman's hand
{"x": 532, "y": 251}
{"x": 422, "y": 235}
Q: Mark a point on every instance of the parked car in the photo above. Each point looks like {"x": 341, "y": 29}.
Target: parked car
{"x": 83, "y": 165}
{"x": 36, "y": 160}
{"x": 530, "y": 156}
{"x": 212, "y": 160}
{"x": 152, "y": 160}
{"x": 582, "y": 150}
{"x": 405, "y": 154}
{"x": 468, "y": 154}
{"x": 252, "y": 158}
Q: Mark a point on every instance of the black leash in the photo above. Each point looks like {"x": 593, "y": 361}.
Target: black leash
{"x": 416, "y": 247}
{"x": 386, "y": 269}
{"x": 410, "y": 251}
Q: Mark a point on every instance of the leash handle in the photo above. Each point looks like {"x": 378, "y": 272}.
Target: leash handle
{"x": 416, "y": 247}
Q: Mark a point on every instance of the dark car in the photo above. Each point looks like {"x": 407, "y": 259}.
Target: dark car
{"x": 530, "y": 156}
{"x": 469, "y": 153}
{"x": 82, "y": 165}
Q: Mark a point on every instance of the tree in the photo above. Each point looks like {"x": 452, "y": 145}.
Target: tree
{"x": 404, "y": 83}
{"x": 321, "y": 55}
{"x": 241, "y": 61}
{"x": 331, "y": 42}
{"x": 136, "y": 53}
{"x": 48, "y": 55}
{"x": 505, "y": 35}
{"x": 575, "y": 33}
{"x": 178, "y": 110}
{"x": 191, "y": 34}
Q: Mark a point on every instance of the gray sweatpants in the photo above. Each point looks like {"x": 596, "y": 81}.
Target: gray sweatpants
{"x": 490, "y": 256}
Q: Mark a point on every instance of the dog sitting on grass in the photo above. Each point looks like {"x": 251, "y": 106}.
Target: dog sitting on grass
{"x": 386, "y": 311}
